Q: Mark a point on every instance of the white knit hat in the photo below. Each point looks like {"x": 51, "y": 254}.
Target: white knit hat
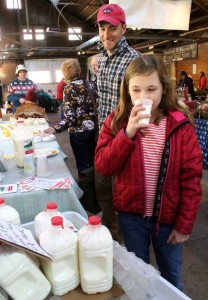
{"x": 20, "y": 68}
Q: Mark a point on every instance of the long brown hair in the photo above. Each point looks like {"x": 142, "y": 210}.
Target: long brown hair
{"x": 146, "y": 65}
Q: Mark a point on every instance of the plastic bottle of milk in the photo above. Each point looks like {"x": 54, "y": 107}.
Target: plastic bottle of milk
{"x": 43, "y": 219}
{"x": 23, "y": 141}
{"x": 61, "y": 243}
{"x": 95, "y": 257}
{"x": 20, "y": 277}
{"x": 8, "y": 213}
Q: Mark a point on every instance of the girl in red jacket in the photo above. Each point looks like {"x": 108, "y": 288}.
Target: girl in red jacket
{"x": 157, "y": 166}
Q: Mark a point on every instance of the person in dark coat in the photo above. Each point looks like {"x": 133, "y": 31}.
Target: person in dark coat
{"x": 187, "y": 81}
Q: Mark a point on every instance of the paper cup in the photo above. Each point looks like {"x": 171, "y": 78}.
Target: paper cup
{"x": 43, "y": 166}
{"x": 3, "y": 110}
{"x": 147, "y": 104}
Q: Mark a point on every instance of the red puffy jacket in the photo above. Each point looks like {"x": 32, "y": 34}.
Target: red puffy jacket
{"x": 178, "y": 192}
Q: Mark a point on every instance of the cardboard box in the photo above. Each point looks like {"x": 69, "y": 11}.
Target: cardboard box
{"x": 78, "y": 294}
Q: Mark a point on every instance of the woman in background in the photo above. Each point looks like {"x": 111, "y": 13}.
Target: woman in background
{"x": 19, "y": 87}
{"x": 79, "y": 110}
{"x": 187, "y": 81}
{"x": 202, "y": 81}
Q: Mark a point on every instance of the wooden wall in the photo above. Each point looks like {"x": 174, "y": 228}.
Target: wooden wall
{"x": 201, "y": 64}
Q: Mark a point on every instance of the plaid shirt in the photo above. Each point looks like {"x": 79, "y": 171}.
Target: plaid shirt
{"x": 111, "y": 70}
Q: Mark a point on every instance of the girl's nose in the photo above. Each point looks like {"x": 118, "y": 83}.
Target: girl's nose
{"x": 144, "y": 95}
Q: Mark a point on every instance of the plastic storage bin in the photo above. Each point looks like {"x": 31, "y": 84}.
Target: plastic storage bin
{"x": 75, "y": 218}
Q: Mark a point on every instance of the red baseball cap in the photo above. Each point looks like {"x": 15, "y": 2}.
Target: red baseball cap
{"x": 111, "y": 13}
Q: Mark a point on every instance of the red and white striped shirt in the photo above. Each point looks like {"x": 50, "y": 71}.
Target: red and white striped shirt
{"x": 153, "y": 143}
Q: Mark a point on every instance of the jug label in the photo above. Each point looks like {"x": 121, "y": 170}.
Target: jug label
{"x": 28, "y": 146}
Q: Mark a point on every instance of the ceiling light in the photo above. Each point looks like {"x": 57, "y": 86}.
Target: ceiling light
{"x": 151, "y": 46}
{"x": 51, "y": 29}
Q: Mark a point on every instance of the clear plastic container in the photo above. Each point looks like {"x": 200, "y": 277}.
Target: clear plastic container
{"x": 20, "y": 277}
{"x": 95, "y": 257}
{"x": 43, "y": 219}
{"x": 29, "y": 165}
{"x": 23, "y": 141}
{"x": 61, "y": 243}
{"x": 9, "y": 214}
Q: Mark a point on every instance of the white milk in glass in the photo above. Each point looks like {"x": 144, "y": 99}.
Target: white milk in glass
{"x": 61, "y": 244}
{"x": 8, "y": 213}
{"x": 147, "y": 104}
{"x": 95, "y": 257}
{"x": 20, "y": 277}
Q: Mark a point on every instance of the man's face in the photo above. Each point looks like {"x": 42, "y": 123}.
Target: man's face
{"x": 111, "y": 35}
{"x": 94, "y": 65}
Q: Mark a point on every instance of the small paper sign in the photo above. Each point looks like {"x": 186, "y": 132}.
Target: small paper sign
{"x": 36, "y": 183}
{"x": 8, "y": 188}
{"x": 20, "y": 237}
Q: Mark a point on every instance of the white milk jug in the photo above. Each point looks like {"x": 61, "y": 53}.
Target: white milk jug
{"x": 23, "y": 141}
{"x": 43, "y": 219}
{"x": 9, "y": 214}
{"x": 95, "y": 257}
{"x": 61, "y": 243}
{"x": 20, "y": 277}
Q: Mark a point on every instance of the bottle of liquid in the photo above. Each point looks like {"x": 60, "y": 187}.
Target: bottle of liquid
{"x": 95, "y": 257}
{"x": 29, "y": 164}
{"x": 20, "y": 277}
{"x": 43, "y": 219}
{"x": 9, "y": 214}
{"x": 6, "y": 106}
{"x": 23, "y": 141}
{"x": 61, "y": 243}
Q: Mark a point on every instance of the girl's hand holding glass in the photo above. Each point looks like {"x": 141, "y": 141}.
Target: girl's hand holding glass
{"x": 133, "y": 124}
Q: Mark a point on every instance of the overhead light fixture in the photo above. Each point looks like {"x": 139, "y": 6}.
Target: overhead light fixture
{"x": 151, "y": 46}
{"x": 52, "y": 29}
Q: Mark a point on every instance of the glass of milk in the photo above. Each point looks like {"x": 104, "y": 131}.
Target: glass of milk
{"x": 147, "y": 104}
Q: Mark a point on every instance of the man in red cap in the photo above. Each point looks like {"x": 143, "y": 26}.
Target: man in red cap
{"x": 115, "y": 58}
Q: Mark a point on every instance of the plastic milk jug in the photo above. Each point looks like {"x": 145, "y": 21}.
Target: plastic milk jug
{"x": 23, "y": 141}
{"x": 43, "y": 219}
{"x": 95, "y": 256}
{"x": 20, "y": 277}
{"x": 61, "y": 243}
{"x": 9, "y": 214}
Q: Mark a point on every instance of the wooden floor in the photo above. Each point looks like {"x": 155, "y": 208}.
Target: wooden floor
{"x": 195, "y": 258}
